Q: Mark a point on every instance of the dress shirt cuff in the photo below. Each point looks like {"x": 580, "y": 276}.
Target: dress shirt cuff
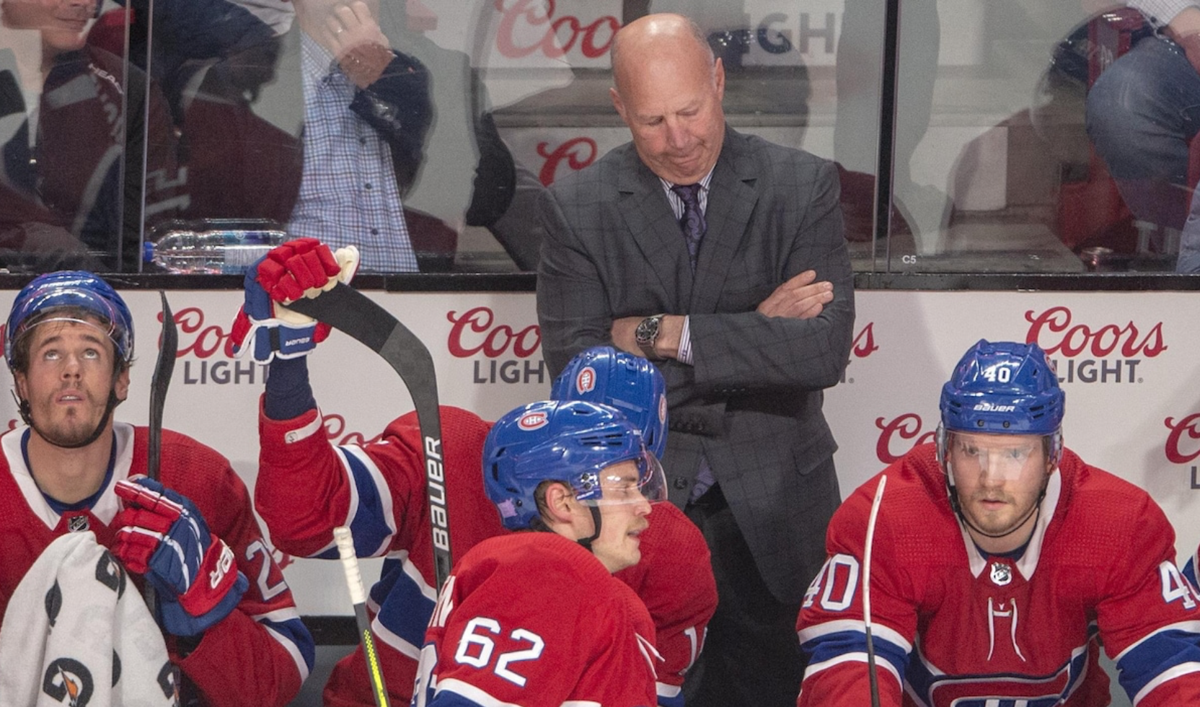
{"x": 1161, "y": 12}
{"x": 684, "y": 355}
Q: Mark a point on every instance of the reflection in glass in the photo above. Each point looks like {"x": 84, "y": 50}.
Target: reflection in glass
{"x": 71, "y": 186}
{"x": 424, "y": 131}
{"x": 1143, "y": 113}
{"x": 345, "y": 122}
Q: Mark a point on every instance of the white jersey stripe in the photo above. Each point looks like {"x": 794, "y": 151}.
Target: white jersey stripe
{"x": 474, "y": 694}
{"x": 394, "y": 640}
{"x": 815, "y": 668}
{"x": 381, "y": 491}
{"x": 877, "y": 631}
{"x": 1185, "y": 626}
{"x": 1166, "y": 675}
{"x": 292, "y": 650}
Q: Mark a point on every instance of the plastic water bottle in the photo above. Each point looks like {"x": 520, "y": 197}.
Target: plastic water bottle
{"x": 212, "y": 246}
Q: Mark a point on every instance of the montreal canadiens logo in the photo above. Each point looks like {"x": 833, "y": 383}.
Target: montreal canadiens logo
{"x": 585, "y": 382}
{"x": 532, "y": 421}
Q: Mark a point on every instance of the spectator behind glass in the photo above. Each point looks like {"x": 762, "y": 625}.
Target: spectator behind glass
{"x": 64, "y": 143}
{"x": 1142, "y": 114}
{"x": 249, "y": 135}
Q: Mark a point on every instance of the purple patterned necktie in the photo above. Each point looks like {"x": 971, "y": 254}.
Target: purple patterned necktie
{"x": 692, "y": 222}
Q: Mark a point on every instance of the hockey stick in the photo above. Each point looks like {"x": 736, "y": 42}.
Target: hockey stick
{"x": 159, "y": 383}
{"x": 867, "y": 590}
{"x": 163, "y": 368}
{"x": 345, "y": 546}
{"x": 352, "y": 312}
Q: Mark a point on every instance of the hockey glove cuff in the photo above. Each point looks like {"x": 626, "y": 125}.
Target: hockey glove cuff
{"x": 162, "y": 536}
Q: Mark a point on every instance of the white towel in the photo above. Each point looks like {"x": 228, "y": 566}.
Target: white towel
{"x": 77, "y": 632}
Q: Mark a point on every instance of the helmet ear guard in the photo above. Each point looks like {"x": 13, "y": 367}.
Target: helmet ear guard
{"x": 1054, "y": 453}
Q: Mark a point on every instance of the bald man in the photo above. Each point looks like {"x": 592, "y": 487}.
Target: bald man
{"x": 721, "y": 257}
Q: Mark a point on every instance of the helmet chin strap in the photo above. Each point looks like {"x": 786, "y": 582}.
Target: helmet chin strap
{"x": 26, "y": 411}
{"x": 587, "y": 542}
{"x": 958, "y": 511}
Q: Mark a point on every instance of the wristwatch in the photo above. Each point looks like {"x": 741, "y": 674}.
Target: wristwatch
{"x": 646, "y": 334}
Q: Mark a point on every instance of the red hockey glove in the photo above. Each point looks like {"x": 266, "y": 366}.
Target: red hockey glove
{"x": 163, "y": 536}
{"x": 301, "y": 268}
{"x": 290, "y": 269}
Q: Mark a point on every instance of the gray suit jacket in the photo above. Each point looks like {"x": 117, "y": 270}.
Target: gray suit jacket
{"x": 751, "y": 404}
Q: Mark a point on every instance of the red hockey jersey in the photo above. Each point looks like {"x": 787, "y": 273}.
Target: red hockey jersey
{"x": 674, "y": 580}
{"x": 952, "y": 626}
{"x": 257, "y": 655}
{"x": 306, "y": 487}
{"x": 533, "y": 619}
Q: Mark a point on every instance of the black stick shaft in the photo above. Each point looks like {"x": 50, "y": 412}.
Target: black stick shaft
{"x": 163, "y": 368}
{"x": 873, "y": 679}
{"x": 352, "y": 312}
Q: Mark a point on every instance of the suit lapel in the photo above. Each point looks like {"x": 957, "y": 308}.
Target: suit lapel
{"x": 731, "y": 201}
{"x": 648, "y": 216}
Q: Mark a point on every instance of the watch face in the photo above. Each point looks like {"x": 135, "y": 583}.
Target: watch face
{"x": 647, "y": 331}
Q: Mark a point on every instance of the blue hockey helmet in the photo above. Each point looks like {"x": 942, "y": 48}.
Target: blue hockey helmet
{"x": 1003, "y": 388}
{"x": 629, "y": 383}
{"x": 568, "y": 441}
{"x": 76, "y": 291}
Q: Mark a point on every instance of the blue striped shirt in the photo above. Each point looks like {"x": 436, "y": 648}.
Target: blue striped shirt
{"x": 348, "y": 193}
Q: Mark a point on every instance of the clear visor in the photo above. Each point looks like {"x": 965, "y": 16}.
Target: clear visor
{"x": 69, "y": 304}
{"x": 1001, "y": 457}
{"x": 630, "y": 481}
{"x": 108, "y": 330}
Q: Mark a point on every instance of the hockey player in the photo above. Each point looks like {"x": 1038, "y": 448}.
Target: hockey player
{"x": 674, "y": 578}
{"x": 231, "y": 625}
{"x": 307, "y": 486}
{"x": 535, "y": 619}
{"x": 1000, "y": 564}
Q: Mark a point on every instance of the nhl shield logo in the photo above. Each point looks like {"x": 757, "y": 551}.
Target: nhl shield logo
{"x": 77, "y": 524}
{"x": 1001, "y": 574}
